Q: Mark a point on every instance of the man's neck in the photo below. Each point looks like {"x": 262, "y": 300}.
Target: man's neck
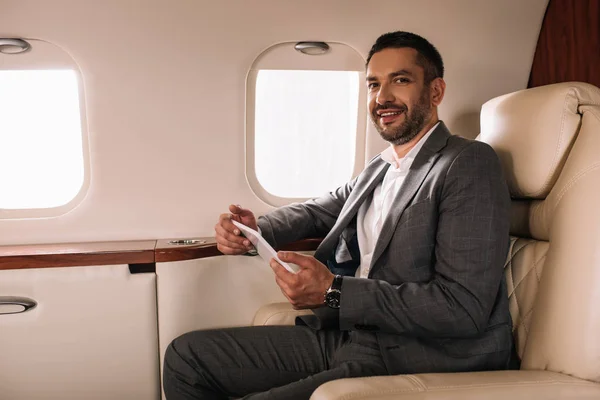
{"x": 403, "y": 149}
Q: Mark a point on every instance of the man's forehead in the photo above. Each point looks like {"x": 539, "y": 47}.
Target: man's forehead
{"x": 390, "y": 60}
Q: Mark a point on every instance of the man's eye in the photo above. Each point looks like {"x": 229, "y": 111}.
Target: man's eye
{"x": 402, "y": 80}
{"x": 371, "y": 86}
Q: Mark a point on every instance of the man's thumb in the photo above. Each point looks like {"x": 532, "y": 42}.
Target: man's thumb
{"x": 236, "y": 209}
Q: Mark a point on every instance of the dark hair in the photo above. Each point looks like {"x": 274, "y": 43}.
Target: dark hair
{"x": 428, "y": 57}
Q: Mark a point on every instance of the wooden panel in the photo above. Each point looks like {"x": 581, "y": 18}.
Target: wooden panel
{"x": 141, "y": 255}
{"x": 77, "y": 254}
{"x": 166, "y": 252}
{"x": 568, "y": 47}
{"x": 207, "y": 247}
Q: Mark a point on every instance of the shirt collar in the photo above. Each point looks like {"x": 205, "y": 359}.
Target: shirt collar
{"x": 390, "y": 156}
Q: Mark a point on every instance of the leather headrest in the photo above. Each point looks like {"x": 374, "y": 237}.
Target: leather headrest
{"x": 532, "y": 131}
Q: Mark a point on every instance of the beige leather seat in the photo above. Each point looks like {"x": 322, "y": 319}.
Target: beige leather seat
{"x": 548, "y": 139}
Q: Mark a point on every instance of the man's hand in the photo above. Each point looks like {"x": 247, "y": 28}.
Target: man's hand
{"x": 306, "y": 288}
{"x": 229, "y": 239}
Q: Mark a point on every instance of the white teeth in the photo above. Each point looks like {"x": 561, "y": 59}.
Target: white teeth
{"x": 389, "y": 113}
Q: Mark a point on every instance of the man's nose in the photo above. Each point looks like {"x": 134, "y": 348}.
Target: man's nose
{"x": 384, "y": 95}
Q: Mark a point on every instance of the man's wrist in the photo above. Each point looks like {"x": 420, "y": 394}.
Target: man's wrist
{"x": 333, "y": 295}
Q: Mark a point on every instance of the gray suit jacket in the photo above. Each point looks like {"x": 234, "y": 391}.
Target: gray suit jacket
{"x": 436, "y": 297}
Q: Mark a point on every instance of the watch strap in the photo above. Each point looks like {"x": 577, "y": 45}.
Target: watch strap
{"x": 337, "y": 283}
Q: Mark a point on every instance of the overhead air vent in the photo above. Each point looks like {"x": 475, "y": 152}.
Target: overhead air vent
{"x": 312, "y": 48}
{"x": 13, "y": 46}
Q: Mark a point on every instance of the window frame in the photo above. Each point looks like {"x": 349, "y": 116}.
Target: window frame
{"x": 283, "y": 56}
{"x": 44, "y": 55}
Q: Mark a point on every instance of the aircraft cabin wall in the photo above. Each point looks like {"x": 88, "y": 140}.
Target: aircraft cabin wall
{"x": 170, "y": 99}
{"x": 164, "y": 94}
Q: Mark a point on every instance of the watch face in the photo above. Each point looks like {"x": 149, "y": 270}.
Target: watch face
{"x": 333, "y": 298}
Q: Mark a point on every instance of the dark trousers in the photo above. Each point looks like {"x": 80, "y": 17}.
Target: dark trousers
{"x": 265, "y": 362}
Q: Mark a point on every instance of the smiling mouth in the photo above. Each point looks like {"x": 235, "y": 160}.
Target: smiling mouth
{"x": 388, "y": 117}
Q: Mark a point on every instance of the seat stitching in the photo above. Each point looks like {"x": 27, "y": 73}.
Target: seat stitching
{"x": 522, "y": 322}
{"x": 363, "y": 393}
{"x": 509, "y": 266}
{"x": 527, "y": 243}
{"x": 591, "y": 110}
{"x": 524, "y": 327}
{"x": 519, "y": 314}
{"x": 573, "y": 181}
{"x": 524, "y": 316}
{"x": 519, "y": 311}
{"x": 550, "y": 382}
{"x": 416, "y": 381}
{"x": 513, "y": 255}
{"x": 511, "y": 276}
{"x": 512, "y": 281}
{"x": 354, "y": 395}
{"x": 537, "y": 274}
{"x": 529, "y": 272}
{"x": 556, "y": 151}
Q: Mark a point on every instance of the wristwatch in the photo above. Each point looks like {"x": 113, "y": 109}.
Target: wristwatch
{"x": 334, "y": 293}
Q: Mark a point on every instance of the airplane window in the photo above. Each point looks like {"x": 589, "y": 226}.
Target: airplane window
{"x": 41, "y": 151}
{"x": 305, "y": 121}
{"x": 305, "y": 130}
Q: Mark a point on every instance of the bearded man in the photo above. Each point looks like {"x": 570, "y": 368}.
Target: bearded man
{"x": 409, "y": 277}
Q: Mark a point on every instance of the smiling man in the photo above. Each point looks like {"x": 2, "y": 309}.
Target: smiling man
{"x": 409, "y": 277}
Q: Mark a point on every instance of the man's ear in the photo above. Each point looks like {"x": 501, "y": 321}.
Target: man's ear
{"x": 437, "y": 89}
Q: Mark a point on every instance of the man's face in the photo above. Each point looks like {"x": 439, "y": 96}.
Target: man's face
{"x": 399, "y": 100}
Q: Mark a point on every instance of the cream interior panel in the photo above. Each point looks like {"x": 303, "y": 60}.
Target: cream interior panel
{"x": 213, "y": 292}
{"x": 165, "y": 85}
{"x": 92, "y": 335}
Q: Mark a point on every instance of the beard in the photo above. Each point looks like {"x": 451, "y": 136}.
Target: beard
{"x": 412, "y": 125}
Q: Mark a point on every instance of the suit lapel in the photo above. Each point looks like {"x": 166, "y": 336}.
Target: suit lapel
{"x": 419, "y": 170}
{"x": 354, "y": 204}
{"x": 350, "y": 209}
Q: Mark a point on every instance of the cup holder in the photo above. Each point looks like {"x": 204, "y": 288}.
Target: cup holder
{"x": 186, "y": 242}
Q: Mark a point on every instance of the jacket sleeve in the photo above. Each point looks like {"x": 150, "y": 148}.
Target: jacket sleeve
{"x": 470, "y": 250}
{"x": 311, "y": 219}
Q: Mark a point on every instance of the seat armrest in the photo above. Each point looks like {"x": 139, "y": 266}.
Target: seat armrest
{"x": 277, "y": 314}
{"x": 491, "y": 385}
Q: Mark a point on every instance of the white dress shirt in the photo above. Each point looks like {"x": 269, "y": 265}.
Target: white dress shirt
{"x": 376, "y": 207}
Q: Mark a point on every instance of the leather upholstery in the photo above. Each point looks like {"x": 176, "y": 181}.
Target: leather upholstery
{"x": 494, "y": 385}
{"x": 532, "y": 132}
{"x": 523, "y": 271}
{"x": 548, "y": 139}
{"x": 557, "y": 326}
{"x": 278, "y": 314}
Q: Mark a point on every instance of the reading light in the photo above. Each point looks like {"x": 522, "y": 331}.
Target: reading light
{"x": 312, "y": 48}
{"x": 13, "y": 46}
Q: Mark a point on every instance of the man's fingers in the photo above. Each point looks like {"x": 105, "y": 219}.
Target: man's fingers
{"x": 285, "y": 289}
{"x": 292, "y": 302}
{"x": 224, "y": 242}
{"x": 283, "y": 286}
{"x": 225, "y": 222}
{"x": 237, "y": 209}
{"x": 230, "y": 237}
{"x": 301, "y": 260}
{"x": 281, "y": 272}
{"x": 229, "y": 250}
